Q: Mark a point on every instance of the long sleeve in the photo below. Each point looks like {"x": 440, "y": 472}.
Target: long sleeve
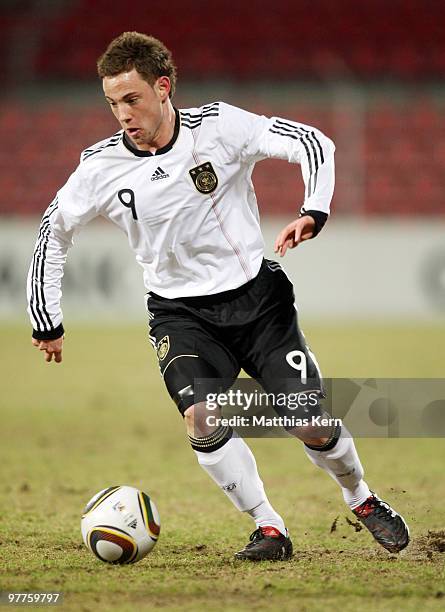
{"x": 67, "y": 213}
{"x": 251, "y": 138}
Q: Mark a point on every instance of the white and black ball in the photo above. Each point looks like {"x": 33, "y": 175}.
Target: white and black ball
{"x": 120, "y": 525}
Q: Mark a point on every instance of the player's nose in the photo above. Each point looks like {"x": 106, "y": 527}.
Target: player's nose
{"x": 124, "y": 115}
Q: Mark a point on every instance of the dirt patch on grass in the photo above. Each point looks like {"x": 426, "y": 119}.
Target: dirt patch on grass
{"x": 427, "y": 547}
{"x": 430, "y": 546}
{"x": 430, "y": 543}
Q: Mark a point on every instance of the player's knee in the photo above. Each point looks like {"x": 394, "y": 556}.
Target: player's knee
{"x": 314, "y": 426}
{"x": 322, "y": 438}
{"x": 204, "y": 434}
{"x": 197, "y": 421}
{"x": 189, "y": 417}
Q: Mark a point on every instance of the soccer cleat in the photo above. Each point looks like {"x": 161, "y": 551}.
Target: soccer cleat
{"x": 266, "y": 544}
{"x": 387, "y": 527}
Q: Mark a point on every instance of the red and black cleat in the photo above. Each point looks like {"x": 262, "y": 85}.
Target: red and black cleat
{"x": 387, "y": 527}
{"x": 266, "y": 544}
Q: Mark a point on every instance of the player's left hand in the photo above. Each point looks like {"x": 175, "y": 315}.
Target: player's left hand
{"x": 293, "y": 234}
{"x": 52, "y": 348}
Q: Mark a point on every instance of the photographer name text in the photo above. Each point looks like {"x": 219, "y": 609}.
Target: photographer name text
{"x": 275, "y": 421}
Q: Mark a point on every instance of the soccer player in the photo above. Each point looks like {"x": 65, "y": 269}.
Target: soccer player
{"x": 178, "y": 183}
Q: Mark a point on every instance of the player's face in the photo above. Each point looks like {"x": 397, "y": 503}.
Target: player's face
{"x": 139, "y": 107}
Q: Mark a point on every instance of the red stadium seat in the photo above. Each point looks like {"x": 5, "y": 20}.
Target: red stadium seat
{"x": 314, "y": 39}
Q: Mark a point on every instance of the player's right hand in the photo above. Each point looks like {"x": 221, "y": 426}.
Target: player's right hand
{"x": 52, "y": 348}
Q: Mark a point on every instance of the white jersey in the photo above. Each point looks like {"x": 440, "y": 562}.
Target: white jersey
{"x": 189, "y": 210}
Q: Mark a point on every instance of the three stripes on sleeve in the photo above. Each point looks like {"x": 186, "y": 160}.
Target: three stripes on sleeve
{"x": 311, "y": 144}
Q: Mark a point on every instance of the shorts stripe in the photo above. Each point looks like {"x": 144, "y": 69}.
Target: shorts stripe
{"x": 172, "y": 360}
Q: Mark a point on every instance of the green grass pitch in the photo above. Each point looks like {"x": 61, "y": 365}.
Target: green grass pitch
{"x": 102, "y": 417}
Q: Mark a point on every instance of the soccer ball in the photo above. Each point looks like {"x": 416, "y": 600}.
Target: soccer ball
{"x": 120, "y": 525}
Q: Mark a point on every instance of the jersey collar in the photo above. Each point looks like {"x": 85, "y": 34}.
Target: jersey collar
{"x": 160, "y": 151}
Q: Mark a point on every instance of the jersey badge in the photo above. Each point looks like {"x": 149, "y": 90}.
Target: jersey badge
{"x": 204, "y": 178}
{"x": 163, "y": 348}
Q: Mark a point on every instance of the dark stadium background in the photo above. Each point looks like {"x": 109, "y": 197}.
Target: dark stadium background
{"x": 368, "y": 73}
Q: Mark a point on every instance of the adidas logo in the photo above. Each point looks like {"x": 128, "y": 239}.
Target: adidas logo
{"x": 230, "y": 487}
{"x": 133, "y": 524}
{"x": 159, "y": 174}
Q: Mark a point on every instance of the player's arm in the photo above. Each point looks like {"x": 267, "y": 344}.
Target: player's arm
{"x": 44, "y": 282}
{"x": 258, "y": 137}
{"x": 71, "y": 209}
{"x": 307, "y": 146}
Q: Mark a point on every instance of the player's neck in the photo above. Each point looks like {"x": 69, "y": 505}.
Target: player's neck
{"x": 165, "y": 132}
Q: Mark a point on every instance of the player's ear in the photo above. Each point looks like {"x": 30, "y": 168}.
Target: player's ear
{"x": 163, "y": 87}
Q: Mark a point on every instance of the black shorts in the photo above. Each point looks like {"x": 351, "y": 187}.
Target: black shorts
{"x": 253, "y": 327}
